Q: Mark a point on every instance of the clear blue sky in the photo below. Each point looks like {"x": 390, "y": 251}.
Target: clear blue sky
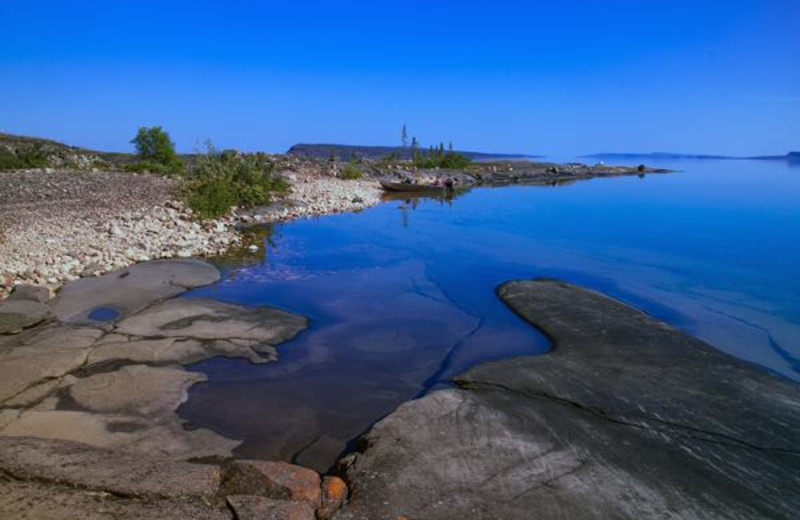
{"x": 543, "y": 77}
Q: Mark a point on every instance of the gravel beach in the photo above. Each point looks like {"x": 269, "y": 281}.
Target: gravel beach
{"x": 59, "y": 225}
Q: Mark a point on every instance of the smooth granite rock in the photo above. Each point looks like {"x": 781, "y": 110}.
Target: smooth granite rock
{"x": 212, "y": 320}
{"x": 132, "y": 289}
{"x": 625, "y": 418}
{"x": 138, "y": 475}
{"x": 135, "y": 389}
{"x": 40, "y": 354}
{"x": 178, "y": 350}
{"x": 117, "y": 384}
{"x": 18, "y": 315}
{"x": 57, "y": 480}
{"x": 88, "y": 423}
{"x": 30, "y": 293}
{"x": 31, "y": 500}
{"x": 164, "y": 435}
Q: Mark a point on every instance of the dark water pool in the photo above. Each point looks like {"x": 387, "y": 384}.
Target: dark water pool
{"x": 401, "y": 296}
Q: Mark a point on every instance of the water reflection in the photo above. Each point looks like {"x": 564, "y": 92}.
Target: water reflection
{"x": 401, "y": 296}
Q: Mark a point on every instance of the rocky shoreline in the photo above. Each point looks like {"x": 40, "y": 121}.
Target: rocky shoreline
{"x": 89, "y": 386}
{"x": 61, "y": 225}
{"x": 625, "y": 417}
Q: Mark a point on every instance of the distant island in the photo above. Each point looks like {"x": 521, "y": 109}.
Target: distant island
{"x": 789, "y": 157}
{"x": 345, "y": 151}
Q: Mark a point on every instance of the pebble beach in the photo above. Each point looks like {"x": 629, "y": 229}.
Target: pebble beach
{"x": 60, "y": 225}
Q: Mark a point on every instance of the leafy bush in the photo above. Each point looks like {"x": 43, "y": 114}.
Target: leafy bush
{"x": 156, "y": 151}
{"x": 351, "y": 172}
{"x": 22, "y": 158}
{"x": 150, "y": 167}
{"x": 454, "y": 161}
{"x": 219, "y": 181}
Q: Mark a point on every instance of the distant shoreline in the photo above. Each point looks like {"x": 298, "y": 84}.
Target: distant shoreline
{"x": 789, "y": 157}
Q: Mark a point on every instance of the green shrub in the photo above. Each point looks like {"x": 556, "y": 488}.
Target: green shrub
{"x": 148, "y": 167}
{"x": 438, "y": 158}
{"x": 351, "y": 172}
{"x": 219, "y": 181}
{"x": 389, "y": 159}
{"x": 454, "y": 161}
{"x": 24, "y": 157}
{"x": 154, "y": 147}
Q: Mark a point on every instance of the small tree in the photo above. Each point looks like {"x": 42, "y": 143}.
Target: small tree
{"x": 155, "y": 148}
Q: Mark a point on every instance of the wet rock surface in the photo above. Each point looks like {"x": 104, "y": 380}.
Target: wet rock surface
{"x": 624, "y": 418}
{"x": 88, "y": 428}
{"x": 117, "y": 383}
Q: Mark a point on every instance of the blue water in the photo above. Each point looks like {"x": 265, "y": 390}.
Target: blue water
{"x": 104, "y": 314}
{"x": 401, "y": 296}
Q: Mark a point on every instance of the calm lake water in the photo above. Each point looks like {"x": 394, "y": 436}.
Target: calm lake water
{"x": 401, "y": 296}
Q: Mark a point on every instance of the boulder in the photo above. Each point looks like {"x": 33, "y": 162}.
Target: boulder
{"x": 279, "y": 480}
{"x": 30, "y": 293}
{"x": 334, "y": 495}
{"x": 19, "y": 314}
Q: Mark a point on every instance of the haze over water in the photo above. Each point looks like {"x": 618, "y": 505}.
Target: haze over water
{"x": 401, "y": 297}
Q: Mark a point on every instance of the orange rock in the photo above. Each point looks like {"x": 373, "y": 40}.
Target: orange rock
{"x": 334, "y": 493}
{"x": 299, "y": 483}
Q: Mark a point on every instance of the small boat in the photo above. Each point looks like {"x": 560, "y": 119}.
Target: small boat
{"x": 405, "y": 187}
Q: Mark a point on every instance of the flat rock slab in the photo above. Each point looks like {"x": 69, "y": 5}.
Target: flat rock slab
{"x": 212, "y": 320}
{"x": 178, "y": 350}
{"x": 24, "y": 500}
{"x": 42, "y": 353}
{"x": 109, "y": 471}
{"x": 78, "y": 379}
{"x": 130, "y": 290}
{"x": 624, "y": 418}
{"x": 41, "y": 479}
{"x": 17, "y": 315}
{"x": 135, "y": 389}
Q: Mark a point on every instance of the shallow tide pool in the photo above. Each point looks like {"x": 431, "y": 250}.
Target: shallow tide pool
{"x": 401, "y": 296}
